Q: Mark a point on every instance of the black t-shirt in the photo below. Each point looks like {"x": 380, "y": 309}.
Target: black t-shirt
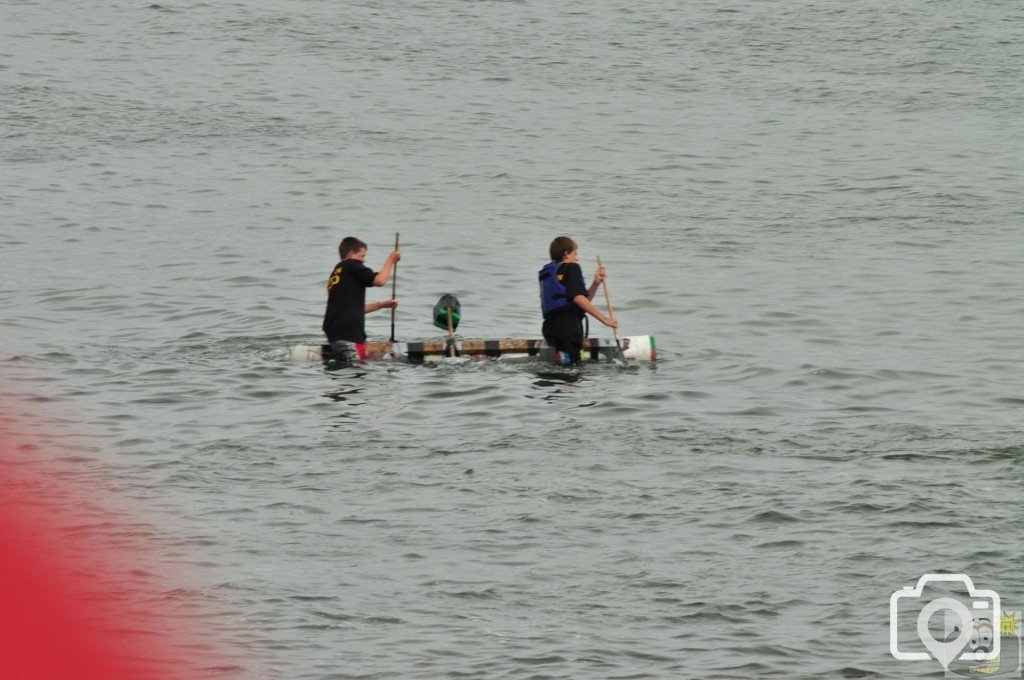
{"x": 345, "y": 318}
{"x": 571, "y": 276}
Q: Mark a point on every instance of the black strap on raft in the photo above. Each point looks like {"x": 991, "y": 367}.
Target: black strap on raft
{"x": 447, "y": 304}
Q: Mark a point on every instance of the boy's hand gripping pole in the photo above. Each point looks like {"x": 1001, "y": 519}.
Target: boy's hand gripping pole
{"x": 611, "y": 313}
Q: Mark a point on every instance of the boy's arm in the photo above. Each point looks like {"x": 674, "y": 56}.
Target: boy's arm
{"x": 383, "y": 304}
{"x": 385, "y": 273}
{"x": 587, "y": 306}
{"x": 598, "y": 278}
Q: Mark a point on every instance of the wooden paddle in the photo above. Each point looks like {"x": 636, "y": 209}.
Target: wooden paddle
{"x": 451, "y": 332}
{"x": 611, "y": 313}
{"x": 394, "y": 289}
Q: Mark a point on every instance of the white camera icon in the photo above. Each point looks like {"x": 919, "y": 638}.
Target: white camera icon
{"x": 983, "y": 604}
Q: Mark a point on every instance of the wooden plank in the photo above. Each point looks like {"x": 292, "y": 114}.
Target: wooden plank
{"x": 507, "y": 346}
{"x": 594, "y": 349}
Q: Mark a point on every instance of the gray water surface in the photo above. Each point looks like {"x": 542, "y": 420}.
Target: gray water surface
{"x": 816, "y": 207}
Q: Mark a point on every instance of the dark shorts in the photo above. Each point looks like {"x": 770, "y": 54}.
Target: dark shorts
{"x": 565, "y": 332}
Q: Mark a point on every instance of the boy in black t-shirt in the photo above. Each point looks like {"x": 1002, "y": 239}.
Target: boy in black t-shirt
{"x": 565, "y": 299}
{"x": 346, "y": 312}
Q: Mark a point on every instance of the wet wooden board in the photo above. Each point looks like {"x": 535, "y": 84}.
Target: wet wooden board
{"x": 639, "y": 348}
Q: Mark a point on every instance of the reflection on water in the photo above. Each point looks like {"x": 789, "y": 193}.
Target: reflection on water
{"x": 341, "y": 395}
{"x": 550, "y": 378}
{"x": 554, "y": 383}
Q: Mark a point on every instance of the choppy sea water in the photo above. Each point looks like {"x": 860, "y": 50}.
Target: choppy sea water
{"x": 814, "y": 206}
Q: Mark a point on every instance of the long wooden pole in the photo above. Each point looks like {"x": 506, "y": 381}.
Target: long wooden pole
{"x": 611, "y": 313}
{"x": 451, "y": 331}
{"x": 394, "y": 290}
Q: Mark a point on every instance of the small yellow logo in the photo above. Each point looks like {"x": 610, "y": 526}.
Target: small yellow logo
{"x": 335, "y": 279}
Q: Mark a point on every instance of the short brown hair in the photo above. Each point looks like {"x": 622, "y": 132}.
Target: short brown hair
{"x": 560, "y": 246}
{"x": 349, "y": 244}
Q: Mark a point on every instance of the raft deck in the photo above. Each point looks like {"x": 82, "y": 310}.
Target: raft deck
{"x": 635, "y": 348}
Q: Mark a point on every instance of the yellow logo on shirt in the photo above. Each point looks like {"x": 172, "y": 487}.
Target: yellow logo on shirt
{"x": 335, "y": 279}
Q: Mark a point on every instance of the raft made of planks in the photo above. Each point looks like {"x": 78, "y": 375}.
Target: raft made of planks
{"x": 636, "y": 348}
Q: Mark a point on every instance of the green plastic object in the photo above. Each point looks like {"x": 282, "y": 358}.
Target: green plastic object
{"x": 448, "y": 304}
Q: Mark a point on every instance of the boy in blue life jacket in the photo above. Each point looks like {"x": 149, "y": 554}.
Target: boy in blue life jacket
{"x": 565, "y": 299}
{"x": 345, "y": 317}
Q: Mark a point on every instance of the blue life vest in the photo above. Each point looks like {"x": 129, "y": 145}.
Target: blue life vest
{"x": 552, "y": 291}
